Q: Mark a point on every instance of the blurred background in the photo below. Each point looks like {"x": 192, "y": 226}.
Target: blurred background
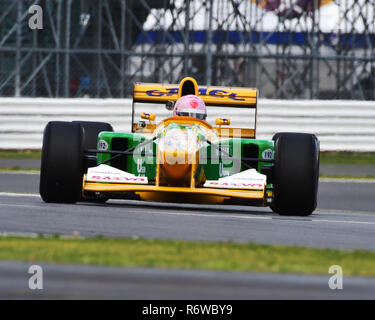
{"x": 289, "y": 49}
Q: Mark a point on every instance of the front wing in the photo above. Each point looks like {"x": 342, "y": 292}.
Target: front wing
{"x": 104, "y": 179}
{"x": 230, "y": 193}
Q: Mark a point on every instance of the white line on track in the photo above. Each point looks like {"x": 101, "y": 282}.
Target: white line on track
{"x": 344, "y": 221}
{"x": 294, "y": 219}
{"x": 19, "y": 234}
{"x": 223, "y": 216}
{"x": 14, "y": 194}
{"x": 339, "y": 212}
{"x": 30, "y": 173}
{"x": 18, "y": 205}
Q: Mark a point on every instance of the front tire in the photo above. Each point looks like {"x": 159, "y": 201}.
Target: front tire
{"x": 92, "y": 130}
{"x": 296, "y": 174}
{"x": 62, "y": 162}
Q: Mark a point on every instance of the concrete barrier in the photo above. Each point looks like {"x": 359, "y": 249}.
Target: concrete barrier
{"x": 340, "y": 125}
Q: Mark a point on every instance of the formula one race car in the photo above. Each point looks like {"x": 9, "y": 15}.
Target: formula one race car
{"x": 182, "y": 158}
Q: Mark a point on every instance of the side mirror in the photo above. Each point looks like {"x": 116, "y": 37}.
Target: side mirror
{"x": 222, "y": 122}
{"x": 141, "y": 125}
{"x": 148, "y": 116}
{"x": 169, "y": 105}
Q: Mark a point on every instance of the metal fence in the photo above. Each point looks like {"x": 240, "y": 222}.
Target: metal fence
{"x": 289, "y": 49}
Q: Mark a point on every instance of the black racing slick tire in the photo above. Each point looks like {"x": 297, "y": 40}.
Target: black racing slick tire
{"x": 92, "y": 130}
{"x": 62, "y": 162}
{"x": 296, "y": 174}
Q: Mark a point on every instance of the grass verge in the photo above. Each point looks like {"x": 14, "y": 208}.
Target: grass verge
{"x": 366, "y": 158}
{"x": 368, "y": 177}
{"x": 20, "y": 154}
{"x": 18, "y": 169}
{"x": 185, "y": 255}
{"x": 325, "y": 157}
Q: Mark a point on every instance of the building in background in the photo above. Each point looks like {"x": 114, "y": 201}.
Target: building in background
{"x": 289, "y": 49}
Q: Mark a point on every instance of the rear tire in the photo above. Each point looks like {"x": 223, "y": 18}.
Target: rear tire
{"x": 62, "y": 162}
{"x": 296, "y": 174}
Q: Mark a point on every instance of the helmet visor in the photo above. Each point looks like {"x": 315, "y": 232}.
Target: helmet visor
{"x": 200, "y": 116}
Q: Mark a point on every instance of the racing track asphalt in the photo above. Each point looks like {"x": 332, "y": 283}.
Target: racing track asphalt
{"x": 345, "y": 219}
{"x": 87, "y": 282}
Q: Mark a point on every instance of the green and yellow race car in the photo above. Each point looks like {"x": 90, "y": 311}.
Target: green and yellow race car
{"x": 181, "y": 158}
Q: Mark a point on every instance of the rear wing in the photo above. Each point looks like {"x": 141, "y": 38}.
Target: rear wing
{"x": 214, "y": 96}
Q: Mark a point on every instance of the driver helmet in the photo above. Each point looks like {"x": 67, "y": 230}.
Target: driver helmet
{"x": 190, "y": 106}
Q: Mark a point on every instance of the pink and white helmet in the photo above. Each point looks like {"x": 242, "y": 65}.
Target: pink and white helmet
{"x": 190, "y": 106}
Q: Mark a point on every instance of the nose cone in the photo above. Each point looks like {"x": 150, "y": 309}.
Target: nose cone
{"x": 176, "y": 174}
{"x": 177, "y": 153}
